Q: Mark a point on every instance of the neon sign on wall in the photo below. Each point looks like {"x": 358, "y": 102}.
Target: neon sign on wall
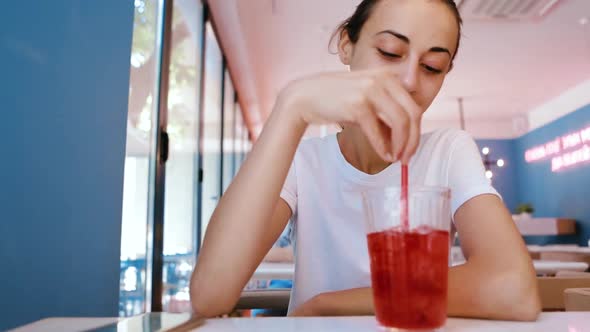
{"x": 565, "y": 151}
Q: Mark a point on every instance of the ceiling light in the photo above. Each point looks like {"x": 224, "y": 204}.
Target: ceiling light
{"x": 506, "y": 9}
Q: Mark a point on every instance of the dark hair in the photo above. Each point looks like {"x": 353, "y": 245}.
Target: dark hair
{"x": 353, "y": 25}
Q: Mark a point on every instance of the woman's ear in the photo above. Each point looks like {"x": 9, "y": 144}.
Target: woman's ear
{"x": 344, "y": 47}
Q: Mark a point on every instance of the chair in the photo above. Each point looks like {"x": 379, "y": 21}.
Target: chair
{"x": 572, "y": 274}
{"x": 565, "y": 256}
{"x": 577, "y": 299}
{"x": 264, "y": 299}
{"x": 552, "y": 289}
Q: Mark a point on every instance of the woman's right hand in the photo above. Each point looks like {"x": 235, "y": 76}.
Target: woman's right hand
{"x": 373, "y": 99}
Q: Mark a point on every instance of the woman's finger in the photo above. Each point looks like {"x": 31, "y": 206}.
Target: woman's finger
{"x": 374, "y": 129}
{"x": 397, "y": 119}
{"x": 412, "y": 110}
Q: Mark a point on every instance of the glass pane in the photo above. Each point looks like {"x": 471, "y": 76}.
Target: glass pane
{"x": 245, "y": 142}
{"x": 228, "y": 131}
{"x": 238, "y": 142}
{"x": 211, "y": 127}
{"x": 142, "y": 108}
{"x": 180, "y": 209}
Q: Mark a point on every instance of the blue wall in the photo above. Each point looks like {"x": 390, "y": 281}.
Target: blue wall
{"x": 504, "y": 178}
{"x": 64, "y": 83}
{"x": 562, "y": 194}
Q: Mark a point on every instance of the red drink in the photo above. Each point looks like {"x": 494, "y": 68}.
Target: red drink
{"x": 409, "y": 273}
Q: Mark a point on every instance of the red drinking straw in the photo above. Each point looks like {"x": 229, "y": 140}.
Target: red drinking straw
{"x": 404, "y": 199}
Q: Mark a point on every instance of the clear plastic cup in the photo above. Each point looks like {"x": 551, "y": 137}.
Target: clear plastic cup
{"x": 409, "y": 266}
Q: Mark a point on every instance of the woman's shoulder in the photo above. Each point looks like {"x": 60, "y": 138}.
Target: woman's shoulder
{"x": 316, "y": 140}
{"x": 440, "y": 144}
{"x": 445, "y": 137}
{"x": 314, "y": 153}
{"x": 446, "y": 134}
{"x": 315, "y": 145}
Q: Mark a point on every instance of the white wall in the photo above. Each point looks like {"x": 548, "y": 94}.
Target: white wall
{"x": 569, "y": 101}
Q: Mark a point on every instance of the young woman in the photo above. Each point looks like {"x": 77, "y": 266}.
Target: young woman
{"x": 398, "y": 52}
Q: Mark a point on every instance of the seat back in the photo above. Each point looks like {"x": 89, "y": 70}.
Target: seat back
{"x": 551, "y": 290}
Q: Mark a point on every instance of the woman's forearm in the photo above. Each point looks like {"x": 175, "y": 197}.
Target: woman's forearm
{"x": 349, "y": 302}
{"x": 471, "y": 293}
{"x": 478, "y": 292}
{"x": 238, "y": 235}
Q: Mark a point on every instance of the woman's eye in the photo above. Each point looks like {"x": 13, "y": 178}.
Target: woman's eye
{"x": 387, "y": 54}
{"x": 432, "y": 69}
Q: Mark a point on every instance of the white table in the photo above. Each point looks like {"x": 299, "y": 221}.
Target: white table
{"x": 559, "y": 248}
{"x": 551, "y": 267}
{"x": 549, "y": 322}
{"x": 66, "y": 324}
{"x": 268, "y": 271}
{"x": 274, "y": 271}
{"x": 545, "y": 226}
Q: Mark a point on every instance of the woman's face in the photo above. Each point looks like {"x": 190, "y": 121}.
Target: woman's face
{"x": 416, "y": 37}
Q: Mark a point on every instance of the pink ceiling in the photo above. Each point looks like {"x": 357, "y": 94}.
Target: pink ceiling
{"x": 504, "y": 69}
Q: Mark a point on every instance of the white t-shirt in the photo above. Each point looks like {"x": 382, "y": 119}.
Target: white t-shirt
{"x": 329, "y": 233}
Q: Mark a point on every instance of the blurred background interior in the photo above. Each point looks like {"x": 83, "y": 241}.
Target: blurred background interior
{"x": 125, "y": 121}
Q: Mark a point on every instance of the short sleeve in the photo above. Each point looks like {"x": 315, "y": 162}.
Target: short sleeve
{"x": 289, "y": 191}
{"x": 466, "y": 173}
{"x": 285, "y": 238}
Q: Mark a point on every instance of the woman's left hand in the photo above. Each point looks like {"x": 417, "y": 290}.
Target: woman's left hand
{"x": 310, "y": 308}
{"x": 348, "y": 302}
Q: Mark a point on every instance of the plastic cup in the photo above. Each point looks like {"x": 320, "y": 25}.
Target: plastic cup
{"x": 409, "y": 266}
